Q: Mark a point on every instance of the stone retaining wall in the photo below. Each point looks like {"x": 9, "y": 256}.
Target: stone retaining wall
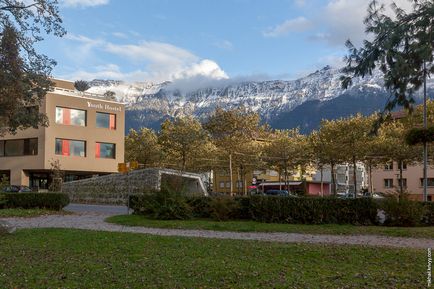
{"x": 112, "y": 189}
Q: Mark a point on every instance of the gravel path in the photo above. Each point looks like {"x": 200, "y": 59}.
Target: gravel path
{"x": 95, "y": 221}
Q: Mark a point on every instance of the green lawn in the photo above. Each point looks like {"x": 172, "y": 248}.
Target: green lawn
{"x": 5, "y": 213}
{"x": 251, "y": 226}
{"x": 54, "y": 258}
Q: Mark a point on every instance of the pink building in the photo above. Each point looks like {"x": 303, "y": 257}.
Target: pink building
{"x": 386, "y": 180}
{"x": 312, "y": 188}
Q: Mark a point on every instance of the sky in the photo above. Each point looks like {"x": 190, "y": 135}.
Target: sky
{"x": 169, "y": 40}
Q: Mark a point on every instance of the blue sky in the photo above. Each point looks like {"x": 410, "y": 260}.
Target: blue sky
{"x": 157, "y": 40}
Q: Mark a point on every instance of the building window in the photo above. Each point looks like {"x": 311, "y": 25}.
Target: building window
{"x": 228, "y": 185}
{"x": 67, "y": 147}
{"x": 222, "y": 185}
{"x": 404, "y": 183}
{"x": 429, "y": 182}
{"x": 239, "y": 184}
{"x": 404, "y": 165}
{"x": 388, "y": 166}
{"x": 388, "y": 183}
{"x": 2, "y": 148}
{"x": 105, "y": 150}
{"x": 19, "y": 147}
{"x": 70, "y": 116}
{"x": 106, "y": 120}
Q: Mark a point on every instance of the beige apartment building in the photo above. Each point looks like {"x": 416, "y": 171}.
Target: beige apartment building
{"x": 386, "y": 180}
{"x": 85, "y": 134}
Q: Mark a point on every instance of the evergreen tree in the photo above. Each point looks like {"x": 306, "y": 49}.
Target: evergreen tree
{"x": 401, "y": 44}
{"x": 23, "y": 72}
{"x": 19, "y": 96}
{"x": 81, "y": 85}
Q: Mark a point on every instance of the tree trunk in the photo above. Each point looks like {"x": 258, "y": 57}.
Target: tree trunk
{"x": 280, "y": 179}
{"x": 322, "y": 183}
{"x": 183, "y": 162}
{"x": 355, "y": 176}
{"x": 332, "y": 171}
{"x": 230, "y": 175}
{"x": 371, "y": 183}
{"x": 239, "y": 173}
{"x": 401, "y": 185}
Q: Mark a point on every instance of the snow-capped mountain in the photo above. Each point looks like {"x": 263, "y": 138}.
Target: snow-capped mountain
{"x": 283, "y": 104}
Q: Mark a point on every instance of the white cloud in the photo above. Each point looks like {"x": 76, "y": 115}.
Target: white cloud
{"x": 108, "y": 71}
{"x": 298, "y": 24}
{"x": 120, "y": 35}
{"x": 153, "y": 51}
{"x": 343, "y": 19}
{"x": 154, "y": 61}
{"x": 205, "y": 67}
{"x": 224, "y": 44}
{"x": 300, "y": 3}
{"x": 84, "y": 3}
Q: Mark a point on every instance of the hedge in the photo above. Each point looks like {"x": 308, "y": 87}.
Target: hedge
{"x": 275, "y": 209}
{"x": 52, "y": 201}
{"x": 362, "y": 211}
{"x": 270, "y": 209}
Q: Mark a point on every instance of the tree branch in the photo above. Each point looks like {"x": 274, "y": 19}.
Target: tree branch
{"x": 12, "y": 7}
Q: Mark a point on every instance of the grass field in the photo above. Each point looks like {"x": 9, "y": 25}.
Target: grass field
{"x": 251, "y": 226}
{"x": 27, "y": 213}
{"x": 52, "y": 258}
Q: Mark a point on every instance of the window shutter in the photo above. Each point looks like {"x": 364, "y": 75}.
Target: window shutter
{"x": 97, "y": 150}
{"x": 65, "y": 147}
{"x": 112, "y": 121}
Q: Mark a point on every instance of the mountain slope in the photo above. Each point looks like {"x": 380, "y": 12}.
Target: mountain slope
{"x": 284, "y": 104}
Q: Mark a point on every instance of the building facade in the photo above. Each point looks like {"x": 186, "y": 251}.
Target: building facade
{"x": 344, "y": 177}
{"x": 222, "y": 180}
{"x": 85, "y": 136}
{"x": 385, "y": 179}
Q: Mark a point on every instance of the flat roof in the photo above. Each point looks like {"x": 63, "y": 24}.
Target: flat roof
{"x": 86, "y": 95}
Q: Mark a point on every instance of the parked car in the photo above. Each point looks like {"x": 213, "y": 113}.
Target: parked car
{"x": 284, "y": 193}
{"x": 16, "y": 189}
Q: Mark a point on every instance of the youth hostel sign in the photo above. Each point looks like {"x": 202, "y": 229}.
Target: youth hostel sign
{"x": 104, "y": 106}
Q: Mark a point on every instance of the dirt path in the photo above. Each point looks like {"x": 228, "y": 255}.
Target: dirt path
{"x": 95, "y": 221}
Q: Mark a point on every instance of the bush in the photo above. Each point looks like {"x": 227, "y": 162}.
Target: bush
{"x": 223, "y": 208}
{"x": 51, "y": 201}
{"x": 403, "y": 213}
{"x": 275, "y": 209}
{"x": 161, "y": 205}
{"x": 428, "y": 218}
{"x": 200, "y": 206}
{"x": 306, "y": 210}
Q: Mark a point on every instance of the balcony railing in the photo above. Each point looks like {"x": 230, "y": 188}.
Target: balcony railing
{"x": 82, "y": 94}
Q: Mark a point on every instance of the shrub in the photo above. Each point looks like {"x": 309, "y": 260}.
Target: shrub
{"x": 428, "y": 218}
{"x": 223, "y": 208}
{"x": 269, "y": 209}
{"x": 403, "y": 212}
{"x": 161, "y": 205}
{"x": 52, "y": 201}
{"x": 200, "y": 206}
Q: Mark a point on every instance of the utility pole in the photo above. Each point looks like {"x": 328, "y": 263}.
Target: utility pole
{"x": 425, "y": 145}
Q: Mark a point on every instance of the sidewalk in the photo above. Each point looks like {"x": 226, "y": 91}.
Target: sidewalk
{"x": 95, "y": 221}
